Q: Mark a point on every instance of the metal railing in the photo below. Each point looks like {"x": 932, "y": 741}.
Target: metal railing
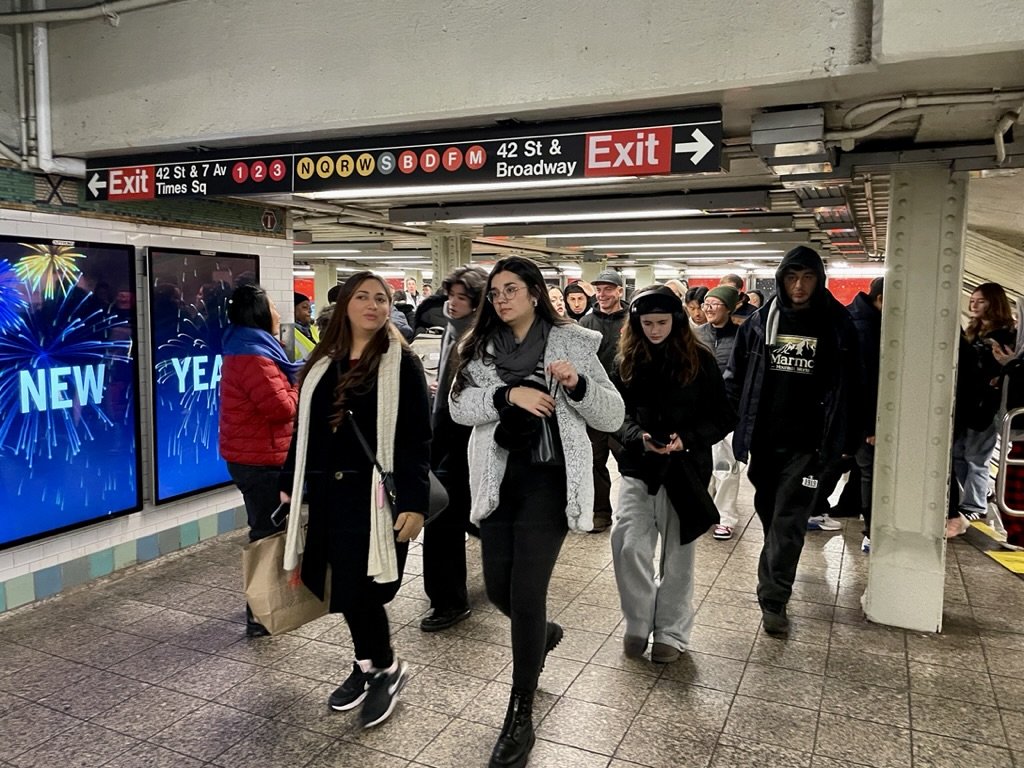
{"x": 1007, "y": 439}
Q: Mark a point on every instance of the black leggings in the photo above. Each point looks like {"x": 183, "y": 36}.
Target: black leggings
{"x": 521, "y": 540}
{"x": 259, "y": 487}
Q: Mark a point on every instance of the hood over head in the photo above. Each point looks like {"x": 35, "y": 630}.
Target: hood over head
{"x": 801, "y": 257}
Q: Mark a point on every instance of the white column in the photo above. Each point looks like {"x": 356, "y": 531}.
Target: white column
{"x": 592, "y": 269}
{"x": 644, "y": 277}
{"x": 325, "y": 277}
{"x": 920, "y": 327}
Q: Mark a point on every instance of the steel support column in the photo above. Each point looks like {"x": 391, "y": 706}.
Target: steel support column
{"x": 448, "y": 251}
{"x": 325, "y": 277}
{"x": 644, "y": 277}
{"x": 920, "y": 327}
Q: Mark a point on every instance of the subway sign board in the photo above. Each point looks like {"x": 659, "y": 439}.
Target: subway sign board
{"x": 649, "y": 144}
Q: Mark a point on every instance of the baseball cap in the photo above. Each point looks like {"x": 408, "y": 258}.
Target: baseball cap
{"x": 609, "y": 276}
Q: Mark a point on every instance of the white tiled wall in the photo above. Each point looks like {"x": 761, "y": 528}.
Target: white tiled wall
{"x": 275, "y": 275}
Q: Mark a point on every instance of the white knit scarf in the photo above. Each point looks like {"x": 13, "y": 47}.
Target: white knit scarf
{"x": 383, "y": 561}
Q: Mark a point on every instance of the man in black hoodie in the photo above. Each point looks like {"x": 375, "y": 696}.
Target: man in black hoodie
{"x": 607, "y": 318}
{"x": 796, "y": 379}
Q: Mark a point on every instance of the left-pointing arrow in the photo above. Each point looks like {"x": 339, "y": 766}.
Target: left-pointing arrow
{"x": 95, "y": 185}
{"x": 700, "y": 146}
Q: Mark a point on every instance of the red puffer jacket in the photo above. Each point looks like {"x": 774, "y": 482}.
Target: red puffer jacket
{"x": 257, "y": 411}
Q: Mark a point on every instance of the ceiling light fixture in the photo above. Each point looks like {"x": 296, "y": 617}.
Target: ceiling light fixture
{"x": 634, "y": 246}
{"x": 704, "y": 225}
{"x": 443, "y": 189}
{"x": 584, "y": 209}
{"x": 763, "y": 252}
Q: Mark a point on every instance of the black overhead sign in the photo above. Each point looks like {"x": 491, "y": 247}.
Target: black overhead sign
{"x": 650, "y": 144}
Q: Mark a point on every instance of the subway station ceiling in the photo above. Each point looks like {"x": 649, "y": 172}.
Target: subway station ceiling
{"x": 747, "y": 216}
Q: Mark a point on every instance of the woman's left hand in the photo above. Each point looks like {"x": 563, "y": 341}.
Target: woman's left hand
{"x": 565, "y": 373}
{"x": 408, "y": 525}
{"x": 1002, "y": 354}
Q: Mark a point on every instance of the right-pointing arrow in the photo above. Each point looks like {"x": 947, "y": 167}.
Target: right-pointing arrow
{"x": 700, "y": 146}
{"x": 95, "y": 185}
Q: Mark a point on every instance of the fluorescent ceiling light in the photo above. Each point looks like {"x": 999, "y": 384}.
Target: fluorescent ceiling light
{"x": 586, "y": 209}
{"x": 442, "y": 189}
{"x": 703, "y": 225}
{"x": 762, "y": 252}
{"x": 633, "y": 246}
{"x": 323, "y": 251}
{"x": 302, "y": 273}
{"x": 641, "y": 233}
{"x": 538, "y": 218}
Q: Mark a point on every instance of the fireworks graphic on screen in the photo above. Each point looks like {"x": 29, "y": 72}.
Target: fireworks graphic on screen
{"x": 50, "y": 267}
{"x": 12, "y": 298}
{"x": 198, "y": 409}
{"x": 77, "y": 334}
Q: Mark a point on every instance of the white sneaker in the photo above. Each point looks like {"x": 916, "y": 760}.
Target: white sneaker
{"x": 823, "y": 523}
{"x": 865, "y": 546}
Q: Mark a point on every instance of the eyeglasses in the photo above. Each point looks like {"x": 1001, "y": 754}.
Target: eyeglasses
{"x": 507, "y": 293}
{"x": 709, "y": 305}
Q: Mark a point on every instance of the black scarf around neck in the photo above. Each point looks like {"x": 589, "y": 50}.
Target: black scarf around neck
{"x": 515, "y": 361}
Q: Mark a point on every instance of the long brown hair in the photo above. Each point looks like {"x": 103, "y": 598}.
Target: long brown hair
{"x": 682, "y": 351}
{"x": 336, "y": 343}
{"x": 487, "y": 321}
{"x": 999, "y": 314}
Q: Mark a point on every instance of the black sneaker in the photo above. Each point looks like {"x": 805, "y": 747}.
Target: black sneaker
{"x": 349, "y": 694}
{"x": 773, "y": 618}
{"x": 382, "y": 696}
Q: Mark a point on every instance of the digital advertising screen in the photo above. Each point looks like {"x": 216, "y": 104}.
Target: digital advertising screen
{"x": 189, "y": 293}
{"x": 69, "y": 413}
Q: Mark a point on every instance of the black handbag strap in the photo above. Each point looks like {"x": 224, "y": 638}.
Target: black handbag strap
{"x": 362, "y": 441}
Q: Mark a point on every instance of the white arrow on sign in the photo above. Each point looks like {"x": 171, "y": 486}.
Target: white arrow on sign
{"x": 95, "y": 185}
{"x": 700, "y": 146}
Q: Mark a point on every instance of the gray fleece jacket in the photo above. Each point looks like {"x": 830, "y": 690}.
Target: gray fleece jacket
{"x": 601, "y": 408}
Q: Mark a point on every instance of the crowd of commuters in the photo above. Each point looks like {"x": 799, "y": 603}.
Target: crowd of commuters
{"x": 537, "y": 388}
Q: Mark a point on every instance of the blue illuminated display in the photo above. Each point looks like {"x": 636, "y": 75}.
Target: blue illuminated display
{"x": 68, "y": 384}
{"x": 189, "y": 293}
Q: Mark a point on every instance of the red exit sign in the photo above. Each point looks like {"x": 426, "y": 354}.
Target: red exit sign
{"x": 133, "y": 183}
{"x": 632, "y": 152}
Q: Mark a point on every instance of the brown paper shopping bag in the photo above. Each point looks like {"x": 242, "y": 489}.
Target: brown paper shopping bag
{"x": 277, "y": 605}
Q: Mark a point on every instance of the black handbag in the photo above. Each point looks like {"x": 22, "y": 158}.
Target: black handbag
{"x": 690, "y": 498}
{"x": 438, "y": 502}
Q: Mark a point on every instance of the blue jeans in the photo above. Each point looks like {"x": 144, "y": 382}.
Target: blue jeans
{"x": 972, "y": 453}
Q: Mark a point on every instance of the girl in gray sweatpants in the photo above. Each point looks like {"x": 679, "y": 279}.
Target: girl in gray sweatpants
{"x": 676, "y": 409}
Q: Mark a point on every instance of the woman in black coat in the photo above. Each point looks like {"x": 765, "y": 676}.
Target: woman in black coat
{"x": 356, "y": 538}
{"x": 676, "y": 409}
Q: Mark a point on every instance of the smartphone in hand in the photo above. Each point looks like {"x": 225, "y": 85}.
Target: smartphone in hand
{"x": 280, "y": 515}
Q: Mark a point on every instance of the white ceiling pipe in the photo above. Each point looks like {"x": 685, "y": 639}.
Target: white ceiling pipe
{"x": 45, "y": 161}
{"x": 109, "y": 10}
{"x": 908, "y": 102}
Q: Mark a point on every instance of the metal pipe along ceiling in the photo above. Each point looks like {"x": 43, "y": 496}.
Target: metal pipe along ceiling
{"x": 110, "y": 10}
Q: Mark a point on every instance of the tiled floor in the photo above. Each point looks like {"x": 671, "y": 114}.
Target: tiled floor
{"x": 152, "y": 669}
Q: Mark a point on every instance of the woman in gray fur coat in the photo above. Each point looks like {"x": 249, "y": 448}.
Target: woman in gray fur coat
{"x": 529, "y": 383}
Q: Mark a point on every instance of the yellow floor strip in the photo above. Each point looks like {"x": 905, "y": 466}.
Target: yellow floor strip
{"x": 1012, "y": 561}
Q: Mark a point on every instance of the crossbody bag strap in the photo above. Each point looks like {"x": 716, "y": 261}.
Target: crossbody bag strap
{"x": 362, "y": 441}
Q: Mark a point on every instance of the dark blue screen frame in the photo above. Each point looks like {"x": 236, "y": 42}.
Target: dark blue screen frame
{"x": 69, "y": 381}
{"x": 189, "y": 293}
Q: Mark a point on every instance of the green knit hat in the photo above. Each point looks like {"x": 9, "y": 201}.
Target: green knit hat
{"x": 725, "y": 294}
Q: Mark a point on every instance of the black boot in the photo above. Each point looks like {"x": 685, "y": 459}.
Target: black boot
{"x": 252, "y": 627}
{"x": 517, "y": 737}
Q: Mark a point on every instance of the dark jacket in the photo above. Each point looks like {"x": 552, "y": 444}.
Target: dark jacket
{"x": 719, "y": 340}
{"x": 610, "y": 327}
{"x": 338, "y": 472}
{"x": 699, "y": 412}
{"x": 745, "y": 376}
{"x": 430, "y": 313}
{"x": 401, "y": 323}
{"x": 867, "y": 321}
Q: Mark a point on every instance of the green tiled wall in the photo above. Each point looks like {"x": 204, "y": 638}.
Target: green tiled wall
{"x": 51, "y": 581}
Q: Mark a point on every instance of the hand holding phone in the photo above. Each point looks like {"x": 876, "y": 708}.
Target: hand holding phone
{"x": 280, "y": 515}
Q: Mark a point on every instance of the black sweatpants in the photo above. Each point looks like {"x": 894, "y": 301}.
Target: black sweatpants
{"x": 602, "y": 477}
{"x": 520, "y": 541}
{"x": 444, "y": 540}
{"x": 783, "y": 504}
{"x": 259, "y": 487}
{"x": 866, "y": 464}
